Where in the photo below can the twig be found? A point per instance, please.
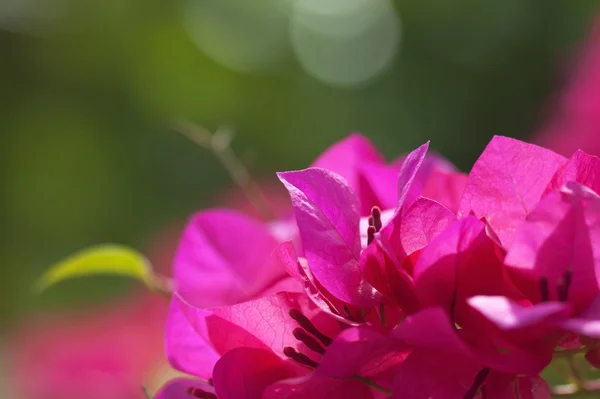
(219, 144)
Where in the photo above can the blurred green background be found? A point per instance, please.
(89, 90)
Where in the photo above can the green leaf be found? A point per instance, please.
(100, 260)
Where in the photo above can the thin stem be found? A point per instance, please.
(573, 351)
(372, 384)
(160, 285)
(219, 144)
(575, 373)
(382, 314)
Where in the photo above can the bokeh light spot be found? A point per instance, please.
(344, 42)
(246, 37)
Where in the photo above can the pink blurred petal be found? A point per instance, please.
(244, 373)
(105, 355)
(508, 314)
(575, 118)
(345, 156)
(326, 211)
(588, 322)
(560, 236)
(445, 187)
(217, 265)
(178, 388)
(348, 158)
(506, 182)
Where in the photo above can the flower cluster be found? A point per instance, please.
(404, 280)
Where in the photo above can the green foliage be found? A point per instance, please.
(100, 260)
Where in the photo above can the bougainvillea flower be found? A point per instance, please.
(379, 300)
(506, 183)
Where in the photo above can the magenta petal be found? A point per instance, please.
(217, 265)
(360, 351)
(421, 223)
(187, 349)
(581, 168)
(388, 277)
(445, 187)
(346, 156)
(508, 314)
(326, 211)
(434, 376)
(315, 387)
(430, 330)
(349, 158)
(459, 263)
(264, 323)
(506, 182)
(382, 180)
(560, 237)
(408, 173)
(178, 388)
(588, 322)
(244, 373)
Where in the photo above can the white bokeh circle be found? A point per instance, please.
(344, 42)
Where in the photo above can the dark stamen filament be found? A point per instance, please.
(309, 327)
(477, 383)
(376, 215)
(200, 394)
(348, 312)
(307, 340)
(299, 357)
(544, 289)
(371, 234)
(563, 286)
